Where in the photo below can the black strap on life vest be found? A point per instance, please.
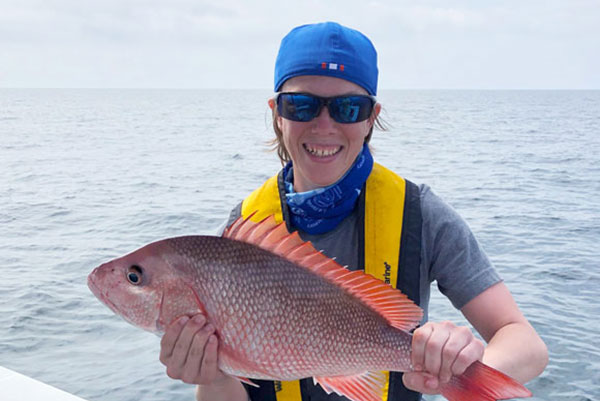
(409, 274)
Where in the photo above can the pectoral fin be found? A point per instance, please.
(246, 380)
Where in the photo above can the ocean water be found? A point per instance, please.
(88, 175)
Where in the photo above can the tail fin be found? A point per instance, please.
(482, 383)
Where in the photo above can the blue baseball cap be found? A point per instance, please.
(328, 49)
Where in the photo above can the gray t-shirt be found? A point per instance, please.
(450, 254)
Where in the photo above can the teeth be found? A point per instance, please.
(322, 152)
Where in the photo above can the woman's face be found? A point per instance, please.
(322, 149)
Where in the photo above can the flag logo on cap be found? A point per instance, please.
(332, 66)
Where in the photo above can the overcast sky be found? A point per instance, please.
(535, 44)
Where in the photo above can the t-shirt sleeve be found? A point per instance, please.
(233, 215)
(451, 252)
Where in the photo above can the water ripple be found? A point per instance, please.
(93, 174)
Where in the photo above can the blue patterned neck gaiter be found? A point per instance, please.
(322, 209)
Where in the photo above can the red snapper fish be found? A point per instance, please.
(281, 311)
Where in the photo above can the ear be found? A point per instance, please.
(374, 114)
(376, 110)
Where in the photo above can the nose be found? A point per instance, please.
(323, 122)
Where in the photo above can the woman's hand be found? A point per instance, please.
(440, 351)
(189, 351)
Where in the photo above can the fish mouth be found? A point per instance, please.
(102, 296)
(91, 285)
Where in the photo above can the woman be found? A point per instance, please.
(333, 193)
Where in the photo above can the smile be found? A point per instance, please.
(322, 151)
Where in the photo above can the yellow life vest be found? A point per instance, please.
(384, 205)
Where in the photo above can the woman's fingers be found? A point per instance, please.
(440, 351)
(176, 345)
(458, 339)
(184, 342)
(210, 370)
(419, 342)
(433, 349)
(469, 354)
(193, 369)
(427, 344)
(168, 340)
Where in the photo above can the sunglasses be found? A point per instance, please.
(304, 107)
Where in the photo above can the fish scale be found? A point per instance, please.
(255, 306)
(281, 311)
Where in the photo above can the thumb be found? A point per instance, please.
(421, 382)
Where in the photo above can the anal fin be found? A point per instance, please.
(367, 386)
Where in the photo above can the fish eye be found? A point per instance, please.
(134, 275)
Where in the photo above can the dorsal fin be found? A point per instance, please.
(393, 305)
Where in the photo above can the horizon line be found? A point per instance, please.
(268, 89)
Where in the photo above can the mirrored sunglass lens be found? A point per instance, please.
(298, 107)
(351, 109)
